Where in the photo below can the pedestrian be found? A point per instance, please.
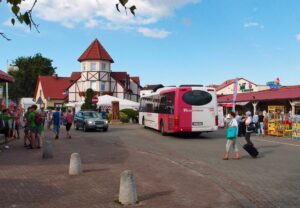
(35, 122)
(255, 120)
(232, 137)
(16, 114)
(265, 123)
(261, 124)
(6, 118)
(56, 119)
(69, 120)
(26, 120)
(43, 114)
(250, 127)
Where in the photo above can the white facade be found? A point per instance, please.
(243, 86)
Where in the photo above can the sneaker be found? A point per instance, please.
(6, 147)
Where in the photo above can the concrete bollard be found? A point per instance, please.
(127, 194)
(47, 150)
(75, 164)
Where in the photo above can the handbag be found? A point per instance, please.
(231, 133)
(251, 127)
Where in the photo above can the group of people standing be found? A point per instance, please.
(10, 123)
(34, 121)
(243, 126)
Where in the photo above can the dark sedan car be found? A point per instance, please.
(88, 120)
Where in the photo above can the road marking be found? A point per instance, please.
(295, 145)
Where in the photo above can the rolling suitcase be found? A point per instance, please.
(251, 150)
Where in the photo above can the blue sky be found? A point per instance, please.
(187, 41)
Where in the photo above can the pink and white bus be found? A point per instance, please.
(187, 108)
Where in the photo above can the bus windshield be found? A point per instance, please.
(197, 98)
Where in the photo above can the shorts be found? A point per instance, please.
(34, 130)
(68, 126)
(56, 128)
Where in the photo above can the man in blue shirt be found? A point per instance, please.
(56, 122)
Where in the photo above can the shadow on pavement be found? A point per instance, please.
(149, 196)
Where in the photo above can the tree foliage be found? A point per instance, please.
(88, 105)
(25, 17)
(26, 77)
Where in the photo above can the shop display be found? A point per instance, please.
(276, 121)
(296, 127)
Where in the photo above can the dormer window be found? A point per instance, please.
(93, 66)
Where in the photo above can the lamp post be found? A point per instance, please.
(9, 68)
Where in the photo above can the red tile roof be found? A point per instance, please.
(95, 52)
(229, 82)
(136, 80)
(283, 93)
(53, 87)
(121, 78)
(4, 77)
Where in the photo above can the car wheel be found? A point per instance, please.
(105, 129)
(84, 128)
(162, 129)
(76, 126)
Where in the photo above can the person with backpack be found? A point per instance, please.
(69, 117)
(35, 122)
(250, 128)
(232, 137)
(56, 119)
(6, 118)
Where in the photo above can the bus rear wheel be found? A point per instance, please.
(162, 129)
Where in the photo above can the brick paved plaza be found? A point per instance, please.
(170, 171)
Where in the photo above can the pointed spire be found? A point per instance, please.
(95, 52)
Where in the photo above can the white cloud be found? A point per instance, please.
(253, 24)
(153, 33)
(93, 13)
(298, 37)
(17, 25)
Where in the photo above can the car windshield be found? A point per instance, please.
(90, 115)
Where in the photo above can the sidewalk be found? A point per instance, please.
(27, 180)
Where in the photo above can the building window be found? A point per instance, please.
(102, 86)
(83, 66)
(103, 66)
(93, 66)
(94, 85)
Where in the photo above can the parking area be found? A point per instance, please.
(171, 171)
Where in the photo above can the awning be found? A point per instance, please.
(5, 77)
(230, 105)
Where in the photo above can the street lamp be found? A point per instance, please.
(9, 68)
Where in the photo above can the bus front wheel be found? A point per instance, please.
(162, 129)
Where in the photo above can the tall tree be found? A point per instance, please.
(26, 77)
(88, 104)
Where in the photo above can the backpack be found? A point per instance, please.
(38, 118)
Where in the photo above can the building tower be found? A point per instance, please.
(95, 69)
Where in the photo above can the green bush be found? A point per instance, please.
(132, 114)
(124, 118)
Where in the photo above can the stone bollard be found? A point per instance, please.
(47, 150)
(127, 194)
(75, 164)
